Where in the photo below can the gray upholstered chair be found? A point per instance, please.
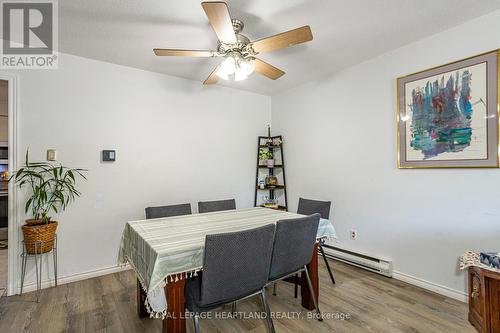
(215, 206)
(167, 211)
(308, 207)
(236, 266)
(293, 249)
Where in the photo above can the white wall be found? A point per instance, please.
(340, 145)
(176, 141)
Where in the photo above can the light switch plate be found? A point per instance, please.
(51, 155)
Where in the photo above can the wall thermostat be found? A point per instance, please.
(108, 155)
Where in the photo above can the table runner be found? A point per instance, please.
(166, 249)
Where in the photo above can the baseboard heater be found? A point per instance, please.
(373, 264)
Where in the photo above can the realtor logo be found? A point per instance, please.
(29, 34)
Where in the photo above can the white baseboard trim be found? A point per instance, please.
(75, 277)
(437, 288)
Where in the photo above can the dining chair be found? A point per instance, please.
(308, 207)
(167, 211)
(235, 266)
(293, 248)
(215, 206)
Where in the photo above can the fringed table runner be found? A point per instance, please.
(471, 258)
(168, 249)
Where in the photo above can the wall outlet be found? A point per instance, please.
(354, 234)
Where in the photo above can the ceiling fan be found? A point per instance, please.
(239, 52)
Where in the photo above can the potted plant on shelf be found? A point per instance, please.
(52, 188)
(266, 155)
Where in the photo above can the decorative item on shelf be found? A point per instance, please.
(270, 203)
(268, 156)
(277, 141)
(271, 181)
(448, 115)
(52, 188)
(262, 184)
(491, 259)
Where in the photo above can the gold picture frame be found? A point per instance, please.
(448, 138)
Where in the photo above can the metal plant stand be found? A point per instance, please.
(38, 245)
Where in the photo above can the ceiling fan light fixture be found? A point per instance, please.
(237, 49)
(222, 75)
(247, 67)
(227, 68)
(240, 75)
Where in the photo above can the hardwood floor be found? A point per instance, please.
(374, 303)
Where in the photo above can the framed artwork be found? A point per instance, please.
(448, 115)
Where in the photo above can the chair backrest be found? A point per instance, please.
(236, 264)
(215, 206)
(308, 207)
(167, 211)
(293, 247)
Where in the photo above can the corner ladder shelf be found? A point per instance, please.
(267, 142)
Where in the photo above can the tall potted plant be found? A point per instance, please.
(52, 188)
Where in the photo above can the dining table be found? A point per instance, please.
(165, 252)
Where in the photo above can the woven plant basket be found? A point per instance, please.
(35, 231)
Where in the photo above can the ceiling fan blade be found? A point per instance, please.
(213, 77)
(184, 53)
(267, 70)
(283, 40)
(219, 18)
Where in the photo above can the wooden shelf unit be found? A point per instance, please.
(279, 207)
(277, 151)
(273, 167)
(275, 187)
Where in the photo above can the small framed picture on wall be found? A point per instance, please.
(448, 116)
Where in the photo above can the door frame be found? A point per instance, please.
(14, 249)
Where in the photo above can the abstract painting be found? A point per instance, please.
(448, 116)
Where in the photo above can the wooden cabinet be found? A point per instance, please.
(484, 300)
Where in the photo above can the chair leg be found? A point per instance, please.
(274, 289)
(233, 309)
(269, 319)
(196, 320)
(313, 295)
(326, 263)
(296, 287)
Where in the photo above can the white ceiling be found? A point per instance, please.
(345, 32)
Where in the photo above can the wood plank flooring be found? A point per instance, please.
(374, 303)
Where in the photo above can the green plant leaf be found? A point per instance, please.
(27, 206)
(52, 186)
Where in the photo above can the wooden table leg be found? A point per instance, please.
(312, 268)
(141, 298)
(175, 321)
